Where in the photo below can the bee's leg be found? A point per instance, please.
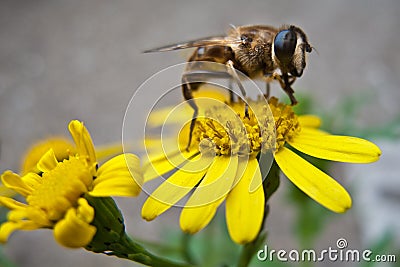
(231, 94)
(285, 84)
(187, 94)
(235, 76)
(277, 77)
(268, 77)
(291, 79)
(267, 90)
(193, 78)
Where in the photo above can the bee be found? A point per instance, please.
(258, 51)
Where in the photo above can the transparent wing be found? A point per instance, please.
(203, 42)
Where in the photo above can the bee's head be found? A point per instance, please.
(289, 48)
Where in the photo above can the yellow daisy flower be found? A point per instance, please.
(55, 198)
(223, 163)
(62, 148)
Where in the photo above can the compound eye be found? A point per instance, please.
(285, 45)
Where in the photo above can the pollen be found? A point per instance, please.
(286, 122)
(61, 188)
(230, 130)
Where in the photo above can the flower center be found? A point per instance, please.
(61, 187)
(227, 130)
(286, 123)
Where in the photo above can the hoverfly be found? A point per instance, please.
(257, 51)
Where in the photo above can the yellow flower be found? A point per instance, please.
(223, 163)
(55, 198)
(62, 148)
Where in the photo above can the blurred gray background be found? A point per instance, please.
(63, 60)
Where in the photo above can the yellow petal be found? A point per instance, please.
(337, 148)
(74, 231)
(312, 131)
(120, 176)
(48, 161)
(154, 144)
(82, 140)
(198, 163)
(84, 211)
(157, 169)
(157, 157)
(162, 164)
(193, 219)
(121, 186)
(245, 209)
(265, 161)
(11, 204)
(220, 95)
(37, 215)
(217, 182)
(33, 180)
(309, 121)
(171, 191)
(7, 228)
(107, 151)
(202, 205)
(312, 181)
(61, 146)
(13, 181)
(6, 192)
(172, 138)
(159, 116)
(184, 112)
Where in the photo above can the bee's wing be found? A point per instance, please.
(210, 41)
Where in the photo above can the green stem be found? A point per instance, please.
(270, 185)
(250, 249)
(187, 255)
(130, 251)
(112, 240)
